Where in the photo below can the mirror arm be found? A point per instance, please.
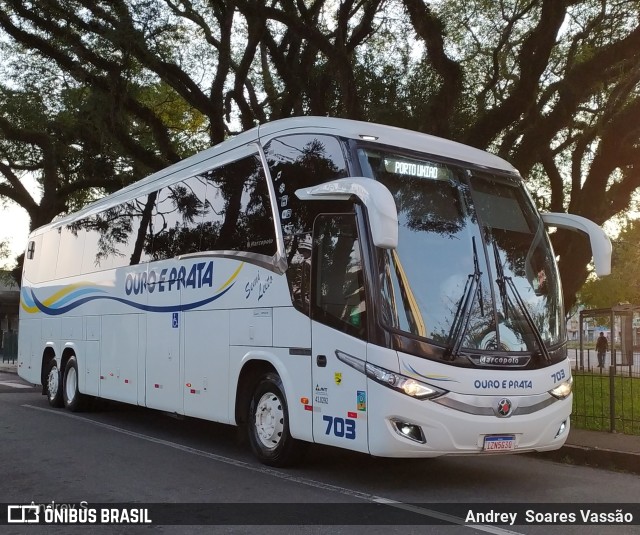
(380, 205)
(600, 242)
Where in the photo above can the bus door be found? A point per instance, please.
(338, 334)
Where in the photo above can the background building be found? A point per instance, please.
(9, 302)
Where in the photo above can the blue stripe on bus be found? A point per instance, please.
(55, 311)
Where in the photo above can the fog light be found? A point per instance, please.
(410, 431)
(561, 429)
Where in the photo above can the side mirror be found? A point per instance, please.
(383, 215)
(600, 242)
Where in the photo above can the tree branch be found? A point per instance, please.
(441, 107)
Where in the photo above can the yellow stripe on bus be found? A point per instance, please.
(231, 279)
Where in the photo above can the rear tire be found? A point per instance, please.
(54, 385)
(73, 399)
(268, 425)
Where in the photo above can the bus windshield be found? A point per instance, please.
(474, 269)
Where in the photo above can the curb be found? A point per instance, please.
(7, 368)
(595, 457)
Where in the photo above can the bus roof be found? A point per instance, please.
(359, 130)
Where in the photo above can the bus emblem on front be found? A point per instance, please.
(504, 407)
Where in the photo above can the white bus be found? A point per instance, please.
(315, 280)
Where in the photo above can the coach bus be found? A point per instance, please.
(314, 280)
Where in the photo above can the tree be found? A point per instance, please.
(551, 85)
(84, 129)
(623, 285)
(556, 93)
(5, 275)
(4, 250)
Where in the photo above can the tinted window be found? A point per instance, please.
(339, 292)
(227, 208)
(427, 280)
(524, 262)
(296, 162)
(70, 252)
(299, 270)
(118, 236)
(237, 211)
(48, 256)
(32, 259)
(177, 219)
(302, 161)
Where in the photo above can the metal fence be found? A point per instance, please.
(606, 398)
(9, 350)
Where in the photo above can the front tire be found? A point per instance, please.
(54, 385)
(73, 399)
(268, 425)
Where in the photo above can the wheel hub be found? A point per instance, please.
(52, 381)
(71, 383)
(269, 420)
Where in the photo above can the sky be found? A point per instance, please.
(14, 224)
(14, 228)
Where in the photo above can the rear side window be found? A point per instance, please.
(224, 209)
(237, 212)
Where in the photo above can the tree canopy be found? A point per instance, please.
(623, 285)
(4, 250)
(97, 94)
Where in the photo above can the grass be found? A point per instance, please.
(575, 344)
(592, 402)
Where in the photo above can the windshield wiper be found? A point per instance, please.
(505, 282)
(463, 311)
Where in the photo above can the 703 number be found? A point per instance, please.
(340, 427)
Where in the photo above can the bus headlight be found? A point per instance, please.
(563, 390)
(397, 381)
(401, 383)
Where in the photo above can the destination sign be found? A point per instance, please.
(419, 169)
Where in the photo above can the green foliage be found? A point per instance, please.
(6, 263)
(95, 95)
(623, 285)
(187, 125)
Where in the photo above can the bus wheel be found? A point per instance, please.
(268, 424)
(54, 385)
(73, 399)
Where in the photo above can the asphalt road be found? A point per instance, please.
(123, 454)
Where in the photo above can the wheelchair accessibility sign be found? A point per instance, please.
(175, 322)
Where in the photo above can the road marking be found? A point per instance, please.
(287, 477)
(14, 385)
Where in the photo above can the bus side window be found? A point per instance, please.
(338, 297)
(297, 161)
(237, 209)
(70, 250)
(176, 225)
(33, 259)
(46, 266)
(114, 237)
(299, 272)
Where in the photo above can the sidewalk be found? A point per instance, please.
(8, 366)
(612, 451)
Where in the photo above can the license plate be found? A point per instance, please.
(499, 443)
